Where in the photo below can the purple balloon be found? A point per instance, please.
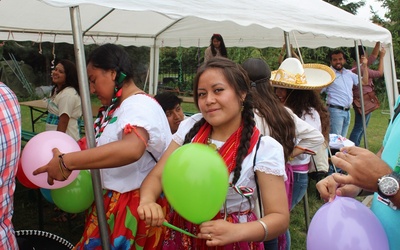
(346, 223)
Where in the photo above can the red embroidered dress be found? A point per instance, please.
(121, 184)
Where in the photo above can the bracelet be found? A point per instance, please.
(265, 229)
(62, 171)
(62, 163)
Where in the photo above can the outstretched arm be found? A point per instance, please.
(151, 189)
(381, 57)
(364, 70)
(364, 168)
(106, 156)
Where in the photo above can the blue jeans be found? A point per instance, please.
(300, 184)
(358, 129)
(271, 244)
(340, 121)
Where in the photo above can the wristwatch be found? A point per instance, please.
(388, 185)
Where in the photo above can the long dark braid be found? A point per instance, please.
(279, 121)
(193, 131)
(247, 132)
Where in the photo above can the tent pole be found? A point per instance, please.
(152, 70)
(88, 118)
(360, 87)
(287, 43)
(156, 67)
(391, 82)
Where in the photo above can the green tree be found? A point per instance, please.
(351, 7)
(391, 22)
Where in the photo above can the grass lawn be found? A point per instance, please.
(27, 201)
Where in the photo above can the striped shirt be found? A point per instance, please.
(10, 148)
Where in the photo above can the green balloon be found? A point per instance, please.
(195, 182)
(77, 196)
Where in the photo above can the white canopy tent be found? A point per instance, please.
(156, 23)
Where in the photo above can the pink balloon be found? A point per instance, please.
(38, 152)
(343, 224)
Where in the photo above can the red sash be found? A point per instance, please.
(228, 151)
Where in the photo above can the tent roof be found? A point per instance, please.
(242, 23)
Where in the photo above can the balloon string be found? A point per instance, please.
(178, 229)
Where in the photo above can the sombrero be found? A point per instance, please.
(293, 75)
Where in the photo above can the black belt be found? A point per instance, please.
(338, 107)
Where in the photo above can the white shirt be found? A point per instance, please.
(141, 111)
(315, 121)
(66, 102)
(307, 136)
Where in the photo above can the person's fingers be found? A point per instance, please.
(351, 150)
(50, 180)
(340, 161)
(151, 214)
(325, 189)
(342, 179)
(348, 191)
(40, 170)
(160, 216)
(332, 186)
(56, 152)
(342, 191)
(141, 212)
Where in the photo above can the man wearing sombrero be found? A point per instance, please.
(339, 93)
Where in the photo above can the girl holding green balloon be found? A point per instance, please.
(226, 124)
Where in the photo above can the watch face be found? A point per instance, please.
(389, 186)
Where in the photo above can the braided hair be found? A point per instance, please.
(279, 121)
(238, 79)
(111, 57)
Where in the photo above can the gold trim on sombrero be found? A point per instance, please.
(292, 74)
(282, 75)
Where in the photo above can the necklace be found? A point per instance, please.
(211, 144)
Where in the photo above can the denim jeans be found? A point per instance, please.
(358, 129)
(271, 244)
(340, 121)
(300, 185)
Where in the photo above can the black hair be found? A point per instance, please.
(222, 48)
(112, 57)
(71, 76)
(336, 52)
(168, 100)
(361, 52)
(301, 101)
(279, 121)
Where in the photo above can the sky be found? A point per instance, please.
(364, 12)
